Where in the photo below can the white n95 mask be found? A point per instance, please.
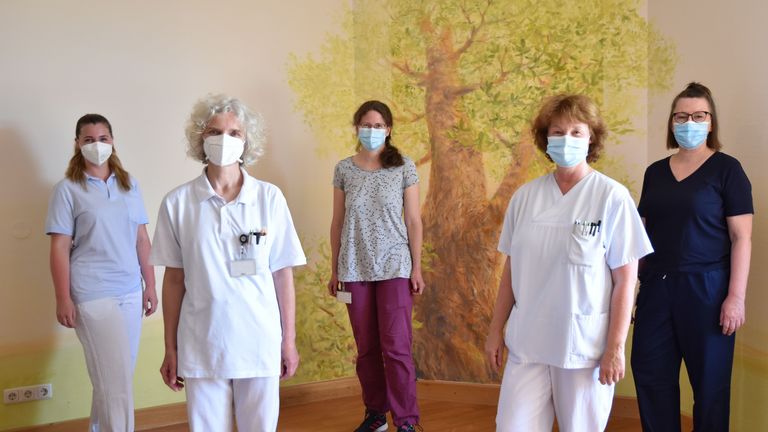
(223, 150)
(96, 152)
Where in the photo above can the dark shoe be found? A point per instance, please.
(410, 428)
(373, 422)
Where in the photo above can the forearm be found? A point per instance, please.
(741, 251)
(286, 301)
(335, 247)
(59, 261)
(415, 241)
(143, 248)
(622, 299)
(173, 295)
(505, 300)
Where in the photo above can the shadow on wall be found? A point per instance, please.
(31, 349)
(28, 324)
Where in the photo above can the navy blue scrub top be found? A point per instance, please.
(686, 220)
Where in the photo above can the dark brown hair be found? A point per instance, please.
(76, 168)
(390, 156)
(695, 90)
(575, 108)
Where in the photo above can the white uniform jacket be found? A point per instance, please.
(562, 249)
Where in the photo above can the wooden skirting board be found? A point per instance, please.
(470, 393)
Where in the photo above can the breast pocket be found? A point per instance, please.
(585, 249)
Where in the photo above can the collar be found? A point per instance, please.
(248, 191)
(110, 179)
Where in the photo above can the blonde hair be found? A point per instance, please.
(571, 107)
(205, 109)
(76, 168)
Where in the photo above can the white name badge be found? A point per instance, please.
(344, 297)
(239, 268)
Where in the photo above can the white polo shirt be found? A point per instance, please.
(562, 249)
(229, 326)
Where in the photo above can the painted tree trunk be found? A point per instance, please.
(461, 225)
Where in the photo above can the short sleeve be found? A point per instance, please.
(338, 177)
(626, 239)
(61, 213)
(737, 191)
(507, 229)
(410, 176)
(286, 248)
(166, 248)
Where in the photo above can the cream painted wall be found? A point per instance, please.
(721, 44)
(142, 64)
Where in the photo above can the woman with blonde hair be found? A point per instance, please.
(572, 240)
(99, 257)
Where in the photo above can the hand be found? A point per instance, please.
(494, 349)
(66, 313)
(333, 284)
(612, 366)
(417, 282)
(168, 372)
(149, 301)
(732, 314)
(290, 360)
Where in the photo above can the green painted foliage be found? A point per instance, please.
(511, 55)
(323, 335)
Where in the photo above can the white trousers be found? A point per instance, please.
(109, 330)
(532, 394)
(253, 403)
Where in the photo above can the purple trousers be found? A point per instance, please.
(380, 314)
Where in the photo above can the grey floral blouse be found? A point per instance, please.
(374, 239)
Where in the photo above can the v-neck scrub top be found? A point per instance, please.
(686, 220)
(562, 249)
(103, 221)
(229, 327)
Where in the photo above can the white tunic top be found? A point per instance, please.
(562, 249)
(229, 326)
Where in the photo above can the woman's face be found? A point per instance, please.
(690, 106)
(224, 123)
(372, 119)
(562, 126)
(91, 133)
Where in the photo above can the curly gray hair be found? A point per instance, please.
(203, 112)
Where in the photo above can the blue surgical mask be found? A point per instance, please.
(567, 151)
(371, 138)
(690, 135)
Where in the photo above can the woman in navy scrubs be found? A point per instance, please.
(697, 209)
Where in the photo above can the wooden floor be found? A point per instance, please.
(344, 414)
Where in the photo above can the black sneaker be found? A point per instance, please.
(410, 428)
(373, 422)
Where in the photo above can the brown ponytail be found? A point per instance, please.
(390, 156)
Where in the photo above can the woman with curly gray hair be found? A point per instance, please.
(228, 244)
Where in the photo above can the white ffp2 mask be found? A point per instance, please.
(96, 152)
(223, 150)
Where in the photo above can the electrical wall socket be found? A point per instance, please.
(29, 393)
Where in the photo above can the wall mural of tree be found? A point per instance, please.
(464, 79)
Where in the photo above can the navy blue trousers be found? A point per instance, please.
(677, 319)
